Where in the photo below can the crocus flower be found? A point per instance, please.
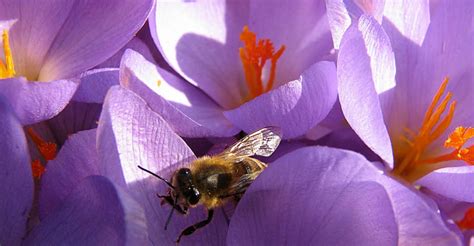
(95, 212)
(47, 46)
(329, 196)
(55, 41)
(405, 88)
(257, 64)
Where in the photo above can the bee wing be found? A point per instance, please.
(238, 188)
(262, 143)
(244, 182)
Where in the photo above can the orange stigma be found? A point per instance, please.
(254, 55)
(7, 69)
(412, 165)
(47, 149)
(467, 223)
(37, 169)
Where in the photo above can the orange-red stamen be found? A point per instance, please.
(468, 221)
(37, 168)
(433, 126)
(254, 55)
(456, 140)
(47, 149)
(459, 137)
(428, 131)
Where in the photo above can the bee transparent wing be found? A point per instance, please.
(244, 182)
(239, 188)
(262, 143)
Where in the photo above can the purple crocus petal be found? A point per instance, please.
(453, 209)
(341, 13)
(60, 39)
(366, 68)
(295, 107)
(410, 18)
(131, 134)
(95, 213)
(145, 35)
(202, 44)
(16, 180)
(76, 117)
(187, 109)
(95, 84)
(448, 41)
(346, 138)
(83, 111)
(76, 160)
(127, 126)
(284, 148)
(317, 132)
(134, 44)
(453, 182)
(346, 201)
(302, 26)
(339, 20)
(37, 101)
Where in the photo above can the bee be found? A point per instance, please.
(212, 181)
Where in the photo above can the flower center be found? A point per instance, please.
(47, 150)
(7, 69)
(411, 164)
(254, 55)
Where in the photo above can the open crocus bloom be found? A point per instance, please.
(261, 64)
(52, 42)
(418, 120)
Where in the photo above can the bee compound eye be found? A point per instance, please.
(194, 197)
(184, 172)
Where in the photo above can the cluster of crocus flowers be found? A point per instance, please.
(83, 103)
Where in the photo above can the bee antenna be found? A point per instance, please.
(164, 180)
(171, 213)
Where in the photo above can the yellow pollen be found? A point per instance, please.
(254, 55)
(7, 70)
(412, 166)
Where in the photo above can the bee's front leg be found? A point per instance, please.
(168, 199)
(191, 229)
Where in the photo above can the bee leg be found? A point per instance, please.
(189, 230)
(170, 201)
